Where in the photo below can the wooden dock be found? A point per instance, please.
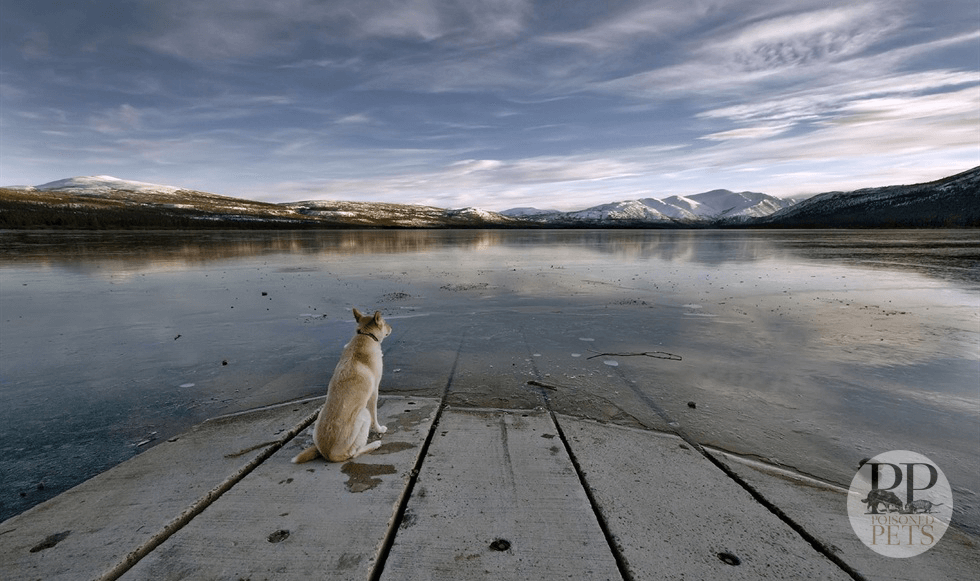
(453, 493)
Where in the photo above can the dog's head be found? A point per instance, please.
(372, 324)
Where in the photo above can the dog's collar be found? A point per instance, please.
(371, 335)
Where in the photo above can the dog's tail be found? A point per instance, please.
(306, 455)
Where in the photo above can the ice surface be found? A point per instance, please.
(824, 347)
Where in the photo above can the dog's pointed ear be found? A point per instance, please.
(357, 315)
(377, 318)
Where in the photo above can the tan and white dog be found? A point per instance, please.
(351, 410)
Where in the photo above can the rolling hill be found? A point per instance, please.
(106, 202)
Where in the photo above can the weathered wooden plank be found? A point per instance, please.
(674, 514)
(87, 530)
(822, 509)
(498, 498)
(316, 520)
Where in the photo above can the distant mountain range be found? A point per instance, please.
(103, 202)
(709, 207)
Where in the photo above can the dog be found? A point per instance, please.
(351, 410)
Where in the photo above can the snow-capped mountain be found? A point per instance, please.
(103, 185)
(398, 215)
(708, 207)
(99, 202)
(718, 204)
(526, 212)
(109, 202)
(950, 202)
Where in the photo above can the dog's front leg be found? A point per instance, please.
(373, 408)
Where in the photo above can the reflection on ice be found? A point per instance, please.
(945, 254)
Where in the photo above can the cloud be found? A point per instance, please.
(807, 37)
(797, 84)
(354, 119)
(748, 133)
(560, 169)
(215, 30)
(457, 21)
(414, 19)
(482, 182)
(865, 142)
(468, 166)
(121, 119)
(956, 109)
(874, 128)
(36, 45)
(756, 56)
(623, 30)
(348, 63)
(825, 101)
(224, 29)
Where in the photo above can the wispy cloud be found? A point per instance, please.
(221, 29)
(766, 54)
(622, 31)
(815, 101)
(354, 119)
(462, 22)
(118, 120)
(759, 132)
(806, 38)
(476, 181)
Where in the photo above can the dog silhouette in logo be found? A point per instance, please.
(921, 505)
(878, 497)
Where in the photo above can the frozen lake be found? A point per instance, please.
(807, 349)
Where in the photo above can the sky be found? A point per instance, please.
(490, 103)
